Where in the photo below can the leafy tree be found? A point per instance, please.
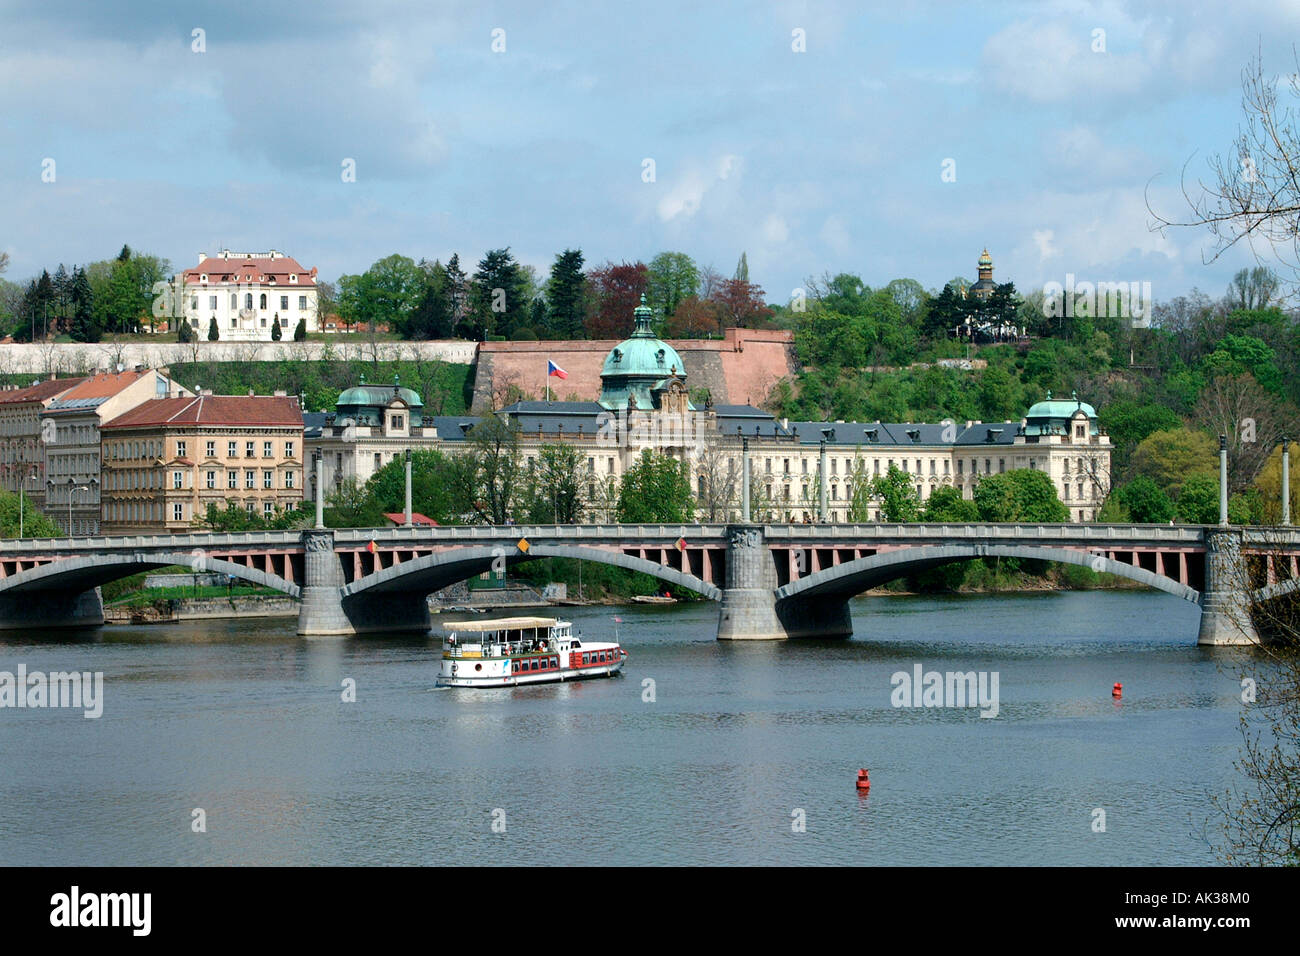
(185, 333)
(566, 297)
(1146, 501)
(349, 506)
(432, 317)
(494, 445)
(34, 523)
(656, 488)
(946, 504)
(385, 294)
(1198, 503)
(1128, 422)
(300, 331)
(673, 276)
(458, 298)
(1019, 495)
(436, 491)
(1171, 456)
(85, 328)
(1253, 288)
(553, 491)
(615, 291)
(897, 495)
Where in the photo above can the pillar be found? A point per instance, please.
(1225, 602)
(37, 610)
(821, 491)
(1223, 481)
(744, 480)
(408, 487)
(321, 612)
(320, 494)
(749, 610)
(1286, 481)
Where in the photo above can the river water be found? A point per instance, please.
(746, 753)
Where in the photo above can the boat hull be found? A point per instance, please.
(562, 675)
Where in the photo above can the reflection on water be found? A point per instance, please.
(248, 722)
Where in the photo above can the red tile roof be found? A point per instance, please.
(40, 391)
(399, 518)
(99, 385)
(274, 410)
(260, 270)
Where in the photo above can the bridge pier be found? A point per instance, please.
(750, 611)
(39, 609)
(1225, 601)
(321, 612)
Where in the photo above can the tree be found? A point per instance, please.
(1252, 289)
(1171, 456)
(1146, 501)
(432, 316)
(1253, 420)
(1128, 422)
(1255, 193)
(326, 303)
(435, 492)
(946, 504)
(554, 487)
(742, 269)
(566, 297)
(1198, 503)
(34, 524)
(300, 331)
(458, 297)
(897, 494)
(185, 333)
(740, 303)
(1019, 495)
(656, 488)
(85, 328)
(494, 445)
(213, 332)
(718, 477)
(385, 294)
(673, 276)
(499, 302)
(615, 291)
(276, 334)
(349, 506)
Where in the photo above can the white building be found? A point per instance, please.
(247, 293)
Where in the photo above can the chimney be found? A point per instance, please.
(251, 393)
(139, 369)
(202, 256)
(280, 393)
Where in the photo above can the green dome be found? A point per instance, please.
(1059, 409)
(378, 396)
(638, 365)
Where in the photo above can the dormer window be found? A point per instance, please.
(203, 278)
(293, 278)
(659, 356)
(617, 355)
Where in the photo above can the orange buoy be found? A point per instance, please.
(1117, 691)
(864, 783)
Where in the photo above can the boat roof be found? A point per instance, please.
(500, 624)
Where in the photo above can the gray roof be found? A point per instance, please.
(903, 434)
(453, 427)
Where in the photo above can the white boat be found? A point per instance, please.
(522, 650)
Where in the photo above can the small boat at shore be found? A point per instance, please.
(511, 651)
(654, 599)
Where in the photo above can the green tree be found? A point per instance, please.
(553, 491)
(1128, 422)
(85, 328)
(436, 490)
(432, 317)
(498, 296)
(672, 277)
(497, 475)
(566, 297)
(1198, 503)
(385, 294)
(897, 495)
(213, 332)
(34, 523)
(276, 334)
(1146, 501)
(1020, 495)
(300, 331)
(656, 488)
(946, 504)
(1171, 456)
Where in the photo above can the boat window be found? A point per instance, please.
(577, 643)
(555, 662)
(534, 665)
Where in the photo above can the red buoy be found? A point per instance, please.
(863, 782)
(1117, 691)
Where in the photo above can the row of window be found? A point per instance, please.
(248, 302)
(123, 450)
(153, 511)
(137, 479)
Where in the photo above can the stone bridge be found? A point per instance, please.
(772, 581)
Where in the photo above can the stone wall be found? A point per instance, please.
(741, 368)
(74, 358)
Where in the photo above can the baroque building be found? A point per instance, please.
(247, 293)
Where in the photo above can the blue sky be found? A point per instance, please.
(827, 160)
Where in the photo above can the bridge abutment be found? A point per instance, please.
(750, 611)
(1225, 602)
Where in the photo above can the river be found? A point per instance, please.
(746, 754)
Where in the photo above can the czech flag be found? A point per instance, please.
(553, 369)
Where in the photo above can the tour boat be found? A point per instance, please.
(522, 650)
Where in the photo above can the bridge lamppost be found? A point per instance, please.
(744, 479)
(1223, 481)
(73, 486)
(408, 487)
(1286, 480)
(821, 492)
(317, 457)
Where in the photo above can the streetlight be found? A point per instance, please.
(21, 486)
(320, 490)
(408, 487)
(73, 486)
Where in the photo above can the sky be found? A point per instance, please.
(814, 137)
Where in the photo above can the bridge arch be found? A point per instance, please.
(82, 573)
(854, 577)
(432, 572)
